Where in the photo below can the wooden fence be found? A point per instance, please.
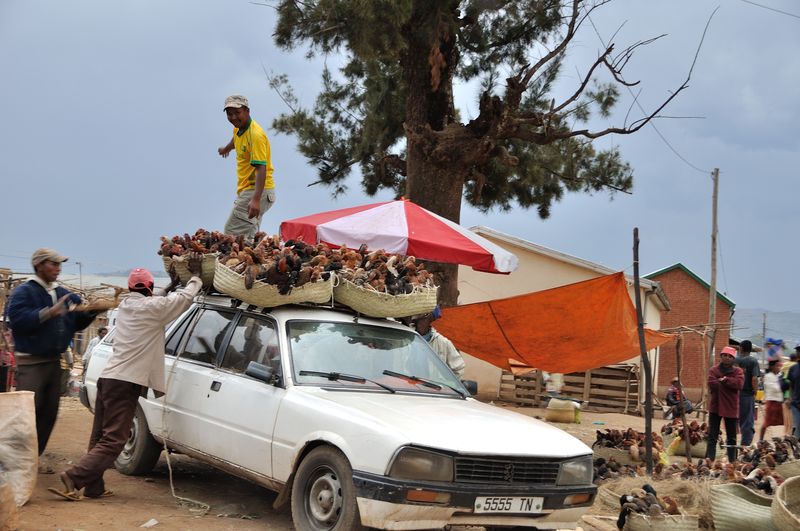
(614, 388)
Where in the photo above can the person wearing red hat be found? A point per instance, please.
(725, 380)
(136, 365)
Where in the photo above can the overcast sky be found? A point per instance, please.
(112, 116)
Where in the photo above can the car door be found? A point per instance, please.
(241, 408)
(190, 376)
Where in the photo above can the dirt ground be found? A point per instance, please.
(234, 503)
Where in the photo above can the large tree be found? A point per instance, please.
(389, 109)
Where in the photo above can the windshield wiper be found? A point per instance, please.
(335, 376)
(423, 381)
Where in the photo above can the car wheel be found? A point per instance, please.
(323, 495)
(141, 451)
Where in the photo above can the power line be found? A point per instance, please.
(771, 9)
(651, 123)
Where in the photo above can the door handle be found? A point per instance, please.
(215, 385)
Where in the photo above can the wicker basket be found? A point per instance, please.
(667, 522)
(207, 268)
(622, 457)
(375, 304)
(266, 295)
(735, 507)
(786, 506)
(789, 469)
(697, 450)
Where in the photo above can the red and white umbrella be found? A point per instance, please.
(401, 227)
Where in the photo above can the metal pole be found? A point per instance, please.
(648, 379)
(712, 292)
(80, 273)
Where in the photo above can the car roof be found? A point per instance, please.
(289, 312)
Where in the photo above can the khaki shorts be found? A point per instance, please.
(238, 222)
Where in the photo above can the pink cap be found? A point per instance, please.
(140, 278)
(730, 351)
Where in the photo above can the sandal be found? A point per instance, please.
(69, 495)
(106, 493)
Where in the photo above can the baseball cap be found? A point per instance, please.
(236, 101)
(44, 254)
(730, 351)
(140, 278)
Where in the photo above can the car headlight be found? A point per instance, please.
(421, 465)
(576, 471)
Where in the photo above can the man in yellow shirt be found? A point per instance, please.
(255, 189)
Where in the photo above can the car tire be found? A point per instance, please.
(141, 451)
(323, 494)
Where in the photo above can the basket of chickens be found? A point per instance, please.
(174, 252)
(270, 274)
(378, 284)
(673, 438)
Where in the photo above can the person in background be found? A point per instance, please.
(677, 402)
(442, 346)
(43, 325)
(67, 363)
(255, 187)
(135, 365)
(725, 380)
(787, 394)
(8, 363)
(794, 397)
(773, 398)
(747, 396)
(87, 354)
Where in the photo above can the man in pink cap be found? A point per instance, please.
(136, 364)
(725, 380)
(42, 324)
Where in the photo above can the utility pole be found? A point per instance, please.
(80, 274)
(764, 334)
(712, 298)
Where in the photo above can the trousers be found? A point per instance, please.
(44, 379)
(114, 409)
(747, 406)
(714, 421)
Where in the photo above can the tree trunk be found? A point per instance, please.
(429, 62)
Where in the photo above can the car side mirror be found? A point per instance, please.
(471, 385)
(262, 372)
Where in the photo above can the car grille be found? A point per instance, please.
(504, 470)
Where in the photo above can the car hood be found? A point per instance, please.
(462, 426)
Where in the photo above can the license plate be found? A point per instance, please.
(506, 504)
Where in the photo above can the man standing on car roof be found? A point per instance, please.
(136, 364)
(42, 326)
(255, 188)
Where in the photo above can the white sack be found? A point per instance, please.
(19, 450)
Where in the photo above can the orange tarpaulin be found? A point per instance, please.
(572, 328)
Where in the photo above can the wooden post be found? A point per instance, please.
(648, 379)
(587, 385)
(679, 358)
(627, 390)
(538, 388)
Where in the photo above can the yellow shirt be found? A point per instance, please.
(252, 149)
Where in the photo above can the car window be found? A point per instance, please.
(109, 337)
(365, 351)
(207, 335)
(175, 338)
(253, 339)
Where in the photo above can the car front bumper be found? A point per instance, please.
(383, 503)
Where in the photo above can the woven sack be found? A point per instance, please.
(207, 268)
(786, 505)
(375, 304)
(667, 522)
(19, 451)
(735, 507)
(266, 295)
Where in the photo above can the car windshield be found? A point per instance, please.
(366, 352)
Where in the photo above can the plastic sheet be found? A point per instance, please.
(19, 451)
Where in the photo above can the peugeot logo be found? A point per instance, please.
(508, 472)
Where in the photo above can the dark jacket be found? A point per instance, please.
(794, 385)
(724, 396)
(51, 337)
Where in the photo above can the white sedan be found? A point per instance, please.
(354, 421)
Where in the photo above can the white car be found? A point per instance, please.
(354, 421)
